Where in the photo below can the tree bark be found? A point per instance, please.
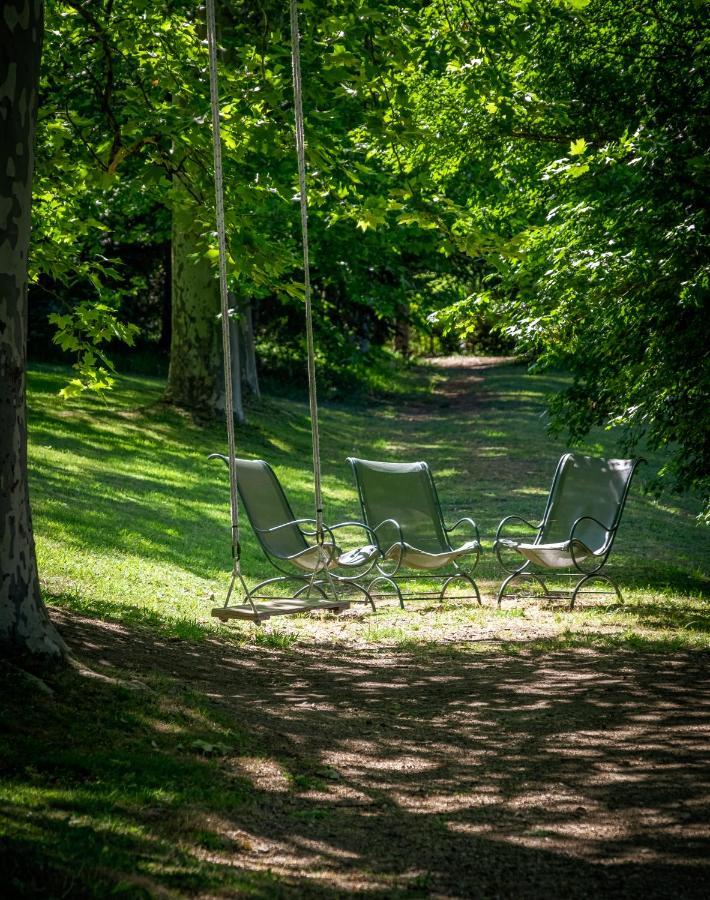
(195, 351)
(236, 353)
(251, 374)
(196, 372)
(25, 627)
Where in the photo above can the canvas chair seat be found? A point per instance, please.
(313, 558)
(360, 556)
(551, 556)
(413, 558)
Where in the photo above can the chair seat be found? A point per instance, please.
(414, 558)
(551, 556)
(358, 557)
(315, 558)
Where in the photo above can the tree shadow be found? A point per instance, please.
(212, 769)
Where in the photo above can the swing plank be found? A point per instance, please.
(278, 607)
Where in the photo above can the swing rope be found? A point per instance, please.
(310, 351)
(223, 290)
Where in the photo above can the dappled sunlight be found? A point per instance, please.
(444, 749)
(133, 476)
(446, 771)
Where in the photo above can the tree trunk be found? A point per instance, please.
(235, 351)
(25, 627)
(401, 336)
(195, 354)
(251, 374)
(166, 298)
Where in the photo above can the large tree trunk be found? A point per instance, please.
(25, 627)
(195, 350)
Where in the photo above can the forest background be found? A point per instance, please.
(521, 177)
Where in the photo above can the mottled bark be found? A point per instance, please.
(195, 349)
(25, 627)
(196, 374)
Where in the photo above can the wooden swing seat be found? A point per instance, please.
(288, 606)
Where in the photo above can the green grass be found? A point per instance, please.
(131, 519)
(118, 805)
(128, 781)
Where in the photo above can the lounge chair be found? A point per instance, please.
(319, 567)
(578, 528)
(401, 508)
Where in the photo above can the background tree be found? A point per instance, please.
(522, 174)
(570, 160)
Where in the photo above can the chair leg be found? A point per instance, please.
(465, 577)
(392, 584)
(592, 577)
(511, 578)
(366, 592)
(307, 588)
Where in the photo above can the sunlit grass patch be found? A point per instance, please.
(132, 521)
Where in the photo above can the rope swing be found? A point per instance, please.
(224, 296)
(310, 351)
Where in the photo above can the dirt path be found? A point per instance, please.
(458, 391)
(452, 774)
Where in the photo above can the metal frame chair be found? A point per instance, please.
(401, 508)
(577, 531)
(318, 566)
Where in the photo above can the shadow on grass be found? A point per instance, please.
(173, 628)
(205, 769)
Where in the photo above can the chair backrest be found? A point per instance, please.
(586, 486)
(266, 506)
(406, 493)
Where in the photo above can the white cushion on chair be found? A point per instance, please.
(419, 559)
(552, 556)
(358, 557)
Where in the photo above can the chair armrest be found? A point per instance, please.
(225, 459)
(604, 528)
(392, 522)
(469, 522)
(497, 544)
(366, 528)
(297, 522)
(607, 542)
(507, 519)
(284, 525)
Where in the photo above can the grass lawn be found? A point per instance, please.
(443, 750)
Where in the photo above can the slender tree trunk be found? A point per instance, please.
(235, 350)
(401, 336)
(195, 353)
(251, 374)
(25, 627)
